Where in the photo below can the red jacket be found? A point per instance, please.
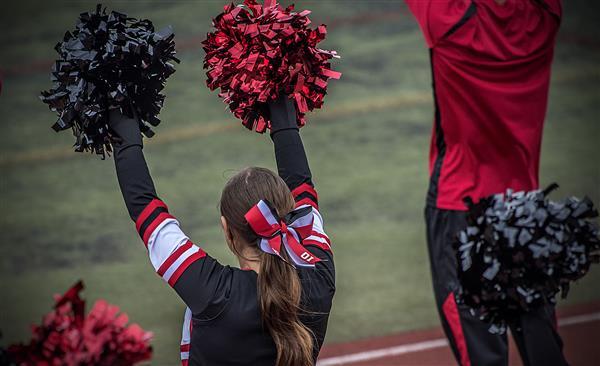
(491, 74)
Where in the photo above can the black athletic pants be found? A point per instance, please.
(537, 339)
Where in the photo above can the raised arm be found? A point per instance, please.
(183, 265)
(134, 178)
(292, 164)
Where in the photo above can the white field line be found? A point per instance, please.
(427, 345)
(578, 319)
(383, 352)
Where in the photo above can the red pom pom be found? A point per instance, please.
(68, 337)
(258, 52)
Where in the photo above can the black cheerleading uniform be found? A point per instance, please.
(223, 309)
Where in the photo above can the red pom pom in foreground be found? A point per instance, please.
(258, 52)
(67, 337)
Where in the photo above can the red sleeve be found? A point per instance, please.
(437, 17)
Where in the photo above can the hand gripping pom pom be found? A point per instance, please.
(258, 52)
(109, 61)
(68, 337)
(520, 250)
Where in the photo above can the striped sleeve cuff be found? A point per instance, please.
(185, 355)
(177, 262)
(305, 194)
(169, 249)
(318, 239)
(153, 215)
(186, 337)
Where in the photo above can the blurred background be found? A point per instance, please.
(63, 218)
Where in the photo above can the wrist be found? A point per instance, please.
(125, 129)
(282, 114)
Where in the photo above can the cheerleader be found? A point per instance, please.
(274, 309)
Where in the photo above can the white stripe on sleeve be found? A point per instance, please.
(165, 239)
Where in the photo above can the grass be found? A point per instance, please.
(64, 218)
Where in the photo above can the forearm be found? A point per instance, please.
(292, 163)
(134, 180)
(132, 172)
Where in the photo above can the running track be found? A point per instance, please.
(579, 327)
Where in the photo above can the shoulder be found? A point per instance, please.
(228, 284)
(437, 18)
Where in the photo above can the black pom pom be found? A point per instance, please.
(109, 61)
(520, 250)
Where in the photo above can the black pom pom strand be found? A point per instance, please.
(520, 250)
(109, 61)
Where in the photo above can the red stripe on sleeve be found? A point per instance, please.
(153, 205)
(173, 257)
(307, 201)
(185, 347)
(184, 362)
(304, 187)
(191, 259)
(451, 314)
(159, 219)
(323, 236)
(317, 244)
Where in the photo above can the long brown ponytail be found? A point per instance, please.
(279, 287)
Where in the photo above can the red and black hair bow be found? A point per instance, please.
(283, 234)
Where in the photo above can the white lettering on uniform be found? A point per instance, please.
(306, 256)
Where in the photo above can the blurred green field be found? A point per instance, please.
(63, 217)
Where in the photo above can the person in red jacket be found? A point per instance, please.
(490, 62)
